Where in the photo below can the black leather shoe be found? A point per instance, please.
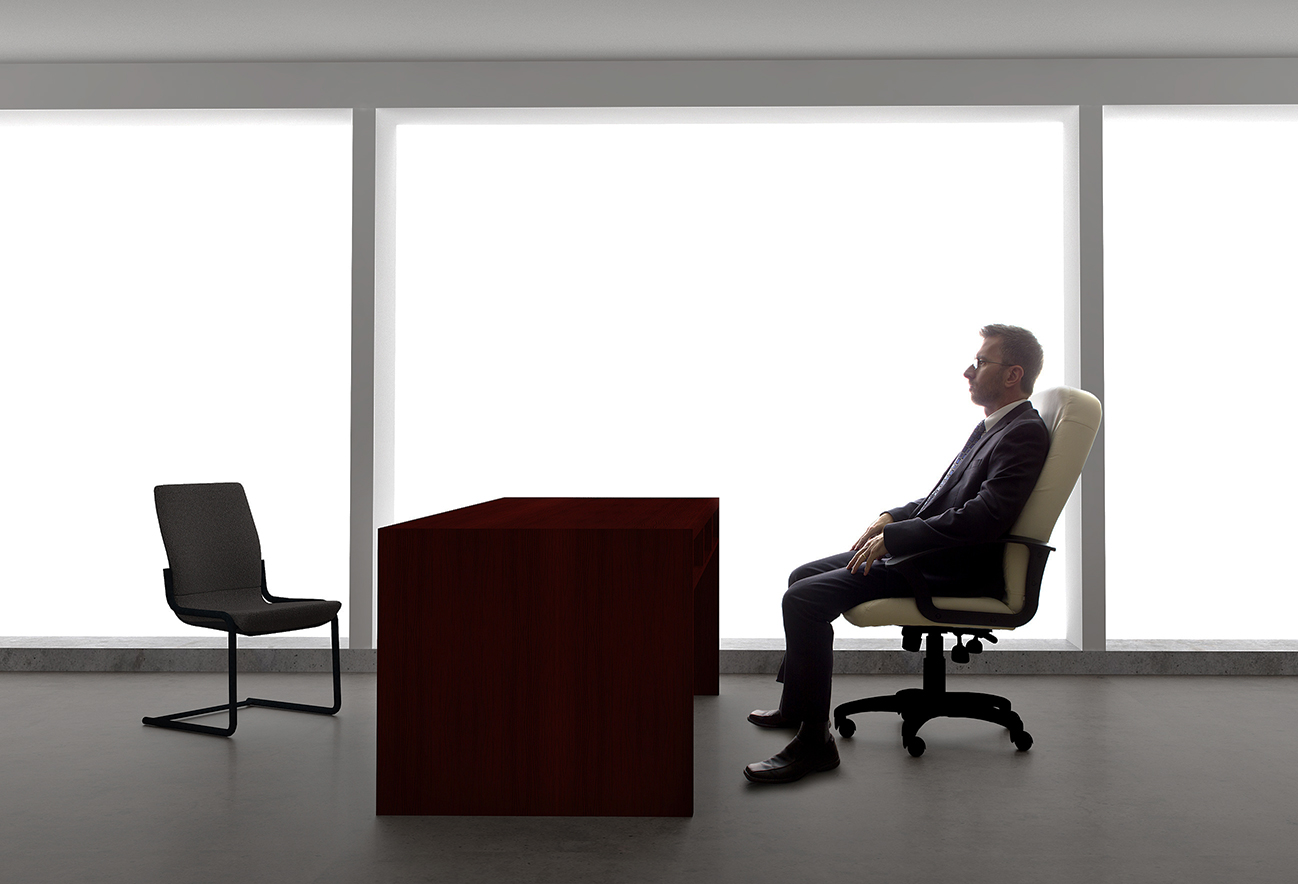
(771, 718)
(794, 762)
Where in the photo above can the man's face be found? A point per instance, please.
(986, 384)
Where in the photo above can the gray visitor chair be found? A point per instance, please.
(1073, 418)
(217, 580)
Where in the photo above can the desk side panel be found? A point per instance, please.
(707, 627)
(536, 672)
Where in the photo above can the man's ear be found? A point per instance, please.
(1014, 377)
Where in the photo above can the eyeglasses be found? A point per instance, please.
(979, 362)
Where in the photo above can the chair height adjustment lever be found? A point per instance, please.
(960, 653)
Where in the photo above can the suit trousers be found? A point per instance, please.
(819, 592)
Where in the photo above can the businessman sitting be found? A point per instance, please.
(977, 500)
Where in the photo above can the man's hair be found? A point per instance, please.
(1018, 347)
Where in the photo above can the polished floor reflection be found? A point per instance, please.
(1132, 778)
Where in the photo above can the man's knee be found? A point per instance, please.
(795, 598)
(819, 566)
(802, 572)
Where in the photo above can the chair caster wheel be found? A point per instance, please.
(1023, 742)
(915, 746)
(846, 727)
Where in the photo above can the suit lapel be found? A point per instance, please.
(964, 464)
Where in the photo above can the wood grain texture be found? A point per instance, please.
(539, 656)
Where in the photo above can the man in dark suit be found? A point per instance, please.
(978, 499)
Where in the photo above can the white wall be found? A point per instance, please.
(410, 30)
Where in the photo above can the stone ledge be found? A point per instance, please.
(199, 659)
(1004, 661)
(1014, 659)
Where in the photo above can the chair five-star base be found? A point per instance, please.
(916, 706)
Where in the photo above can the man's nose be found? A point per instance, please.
(969, 372)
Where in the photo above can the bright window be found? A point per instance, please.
(1200, 307)
(772, 312)
(176, 308)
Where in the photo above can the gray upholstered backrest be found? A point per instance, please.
(210, 537)
(1073, 418)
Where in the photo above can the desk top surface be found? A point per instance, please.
(573, 513)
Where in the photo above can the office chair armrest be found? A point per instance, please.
(909, 566)
(1009, 538)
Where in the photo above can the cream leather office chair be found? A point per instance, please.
(1073, 418)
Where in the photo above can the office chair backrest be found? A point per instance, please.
(210, 537)
(1073, 418)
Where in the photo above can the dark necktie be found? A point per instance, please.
(959, 459)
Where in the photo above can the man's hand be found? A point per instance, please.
(873, 531)
(873, 549)
(870, 547)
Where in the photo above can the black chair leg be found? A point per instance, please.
(916, 710)
(171, 721)
(918, 706)
(303, 707)
(984, 707)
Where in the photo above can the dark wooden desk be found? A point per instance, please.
(539, 656)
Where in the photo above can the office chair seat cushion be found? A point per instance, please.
(253, 615)
(904, 611)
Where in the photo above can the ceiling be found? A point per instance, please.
(426, 30)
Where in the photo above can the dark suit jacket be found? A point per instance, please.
(980, 503)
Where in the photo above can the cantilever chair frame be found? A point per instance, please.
(171, 721)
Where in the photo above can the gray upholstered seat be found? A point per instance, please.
(217, 580)
(253, 615)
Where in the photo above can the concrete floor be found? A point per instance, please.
(1132, 778)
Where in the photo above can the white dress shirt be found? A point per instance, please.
(993, 419)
